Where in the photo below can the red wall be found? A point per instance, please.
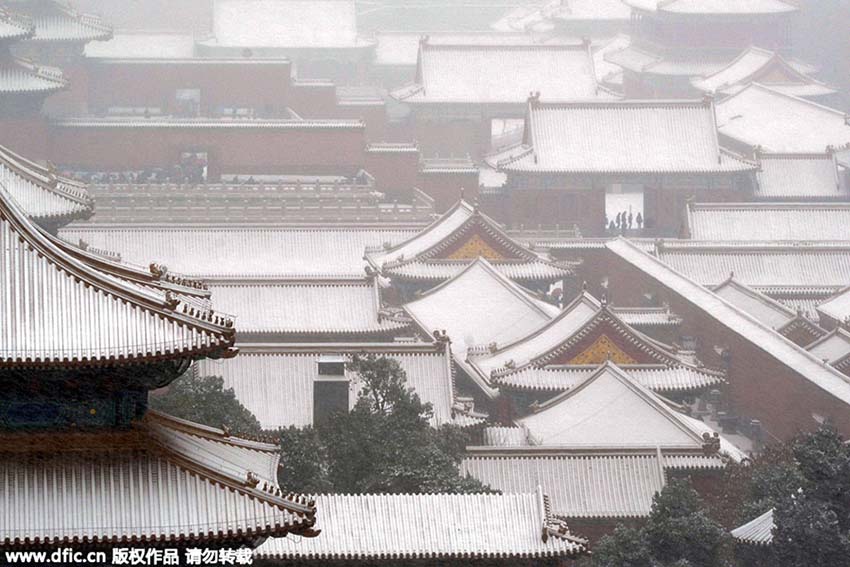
(445, 188)
(396, 173)
(760, 386)
(262, 86)
(27, 137)
(243, 150)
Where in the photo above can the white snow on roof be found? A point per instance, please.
(767, 67)
(766, 310)
(623, 136)
(761, 265)
(143, 45)
(777, 122)
(801, 176)
(832, 347)
(738, 322)
(769, 221)
(733, 7)
(286, 23)
(476, 74)
(402, 48)
(243, 251)
(434, 234)
(837, 307)
(374, 527)
(758, 531)
(464, 307)
(547, 337)
(603, 412)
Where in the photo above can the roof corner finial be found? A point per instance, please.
(534, 98)
(584, 285)
(731, 274)
(708, 98)
(604, 300)
(462, 193)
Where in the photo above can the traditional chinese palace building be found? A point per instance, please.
(574, 155)
(84, 339)
(673, 42)
(461, 103)
(446, 248)
(583, 448)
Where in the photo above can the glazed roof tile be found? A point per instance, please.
(414, 526)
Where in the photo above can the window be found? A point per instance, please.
(330, 388)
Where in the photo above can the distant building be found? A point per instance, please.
(676, 41)
(575, 155)
(600, 468)
(462, 102)
(320, 36)
(460, 236)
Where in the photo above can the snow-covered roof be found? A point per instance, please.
(94, 297)
(623, 136)
(601, 413)
(305, 308)
(550, 335)
(714, 7)
(24, 76)
(45, 197)
(134, 477)
(306, 24)
(662, 379)
(479, 306)
(607, 73)
(647, 58)
(762, 66)
(801, 176)
(144, 45)
(543, 17)
(833, 348)
(588, 484)
(234, 252)
(768, 221)
(14, 26)
(758, 531)
(372, 527)
(761, 117)
(735, 320)
(768, 311)
(475, 74)
(765, 266)
(401, 48)
(837, 307)
(463, 233)
(275, 382)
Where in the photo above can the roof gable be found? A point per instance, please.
(585, 332)
(762, 66)
(605, 411)
(464, 306)
(462, 233)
